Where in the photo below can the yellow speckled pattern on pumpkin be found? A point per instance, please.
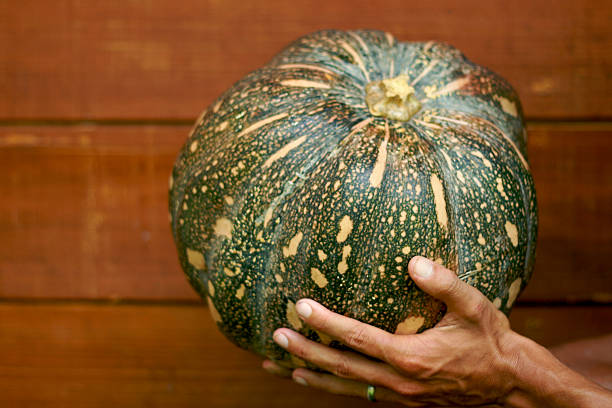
(290, 187)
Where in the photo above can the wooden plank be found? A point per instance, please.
(573, 181)
(552, 326)
(173, 356)
(84, 215)
(133, 356)
(159, 59)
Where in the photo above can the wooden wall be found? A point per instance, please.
(96, 99)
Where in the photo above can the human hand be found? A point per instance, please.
(471, 357)
(462, 360)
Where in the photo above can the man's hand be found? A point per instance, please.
(471, 357)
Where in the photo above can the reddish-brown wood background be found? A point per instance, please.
(96, 99)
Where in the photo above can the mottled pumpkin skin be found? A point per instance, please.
(288, 187)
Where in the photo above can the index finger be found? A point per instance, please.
(359, 336)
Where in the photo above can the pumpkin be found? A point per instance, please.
(322, 173)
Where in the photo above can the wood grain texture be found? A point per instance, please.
(84, 212)
(161, 59)
(573, 181)
(173, 356)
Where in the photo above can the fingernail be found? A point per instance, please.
(423, 268)
(303, 309)
(281, 340)
(300, 381)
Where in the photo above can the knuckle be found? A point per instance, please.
(357, 337)
(478, 309)
(398, 359)
(342, 367)
(405, 389)
(408, 363)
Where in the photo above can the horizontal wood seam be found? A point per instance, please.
(596, 122)
(197, 303)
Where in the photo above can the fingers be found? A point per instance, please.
(444, 285)
(353, 333)
(275, 369)
(343, 386)
(344, 364)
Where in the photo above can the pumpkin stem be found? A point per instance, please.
(392, 98)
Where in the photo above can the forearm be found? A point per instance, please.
(543, 381)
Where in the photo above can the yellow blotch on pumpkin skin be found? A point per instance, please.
(346, 226)
(282, 152)
(292, 316)
(497, 302)
(507, 105)
(356, 57)
(261, 123)
(381, 161)
(195, 258)
(481, 156)
(410, 326)
(500, 187)
(439, 200)
(240, 292)
(322, 255)
(223, 227)
(512, 232)
(318, 277)
(222, 126)
(292, 248)
(343, 265)
(213, 310)
(513, 291)
(450, 87)
(231, 273)
(268, 216)
(304, 83)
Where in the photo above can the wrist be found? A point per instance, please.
(541, 380)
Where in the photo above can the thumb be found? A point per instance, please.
(444, 285)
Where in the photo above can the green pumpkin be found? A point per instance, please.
(322, 173)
